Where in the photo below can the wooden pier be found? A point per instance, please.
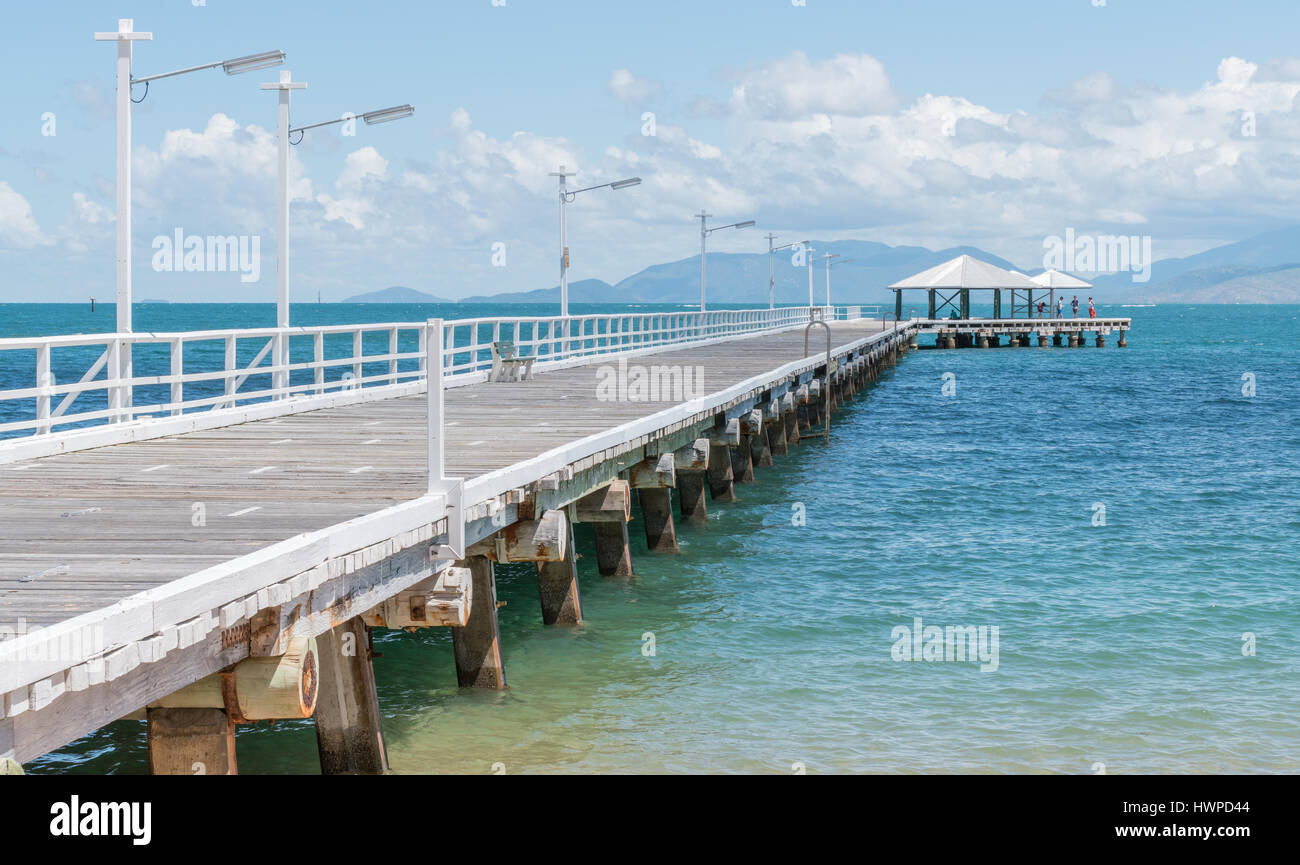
(1024, 332)
(209, 560)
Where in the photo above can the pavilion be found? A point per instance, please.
(950, 284)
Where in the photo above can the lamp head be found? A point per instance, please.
(252, 62)
(383, 115)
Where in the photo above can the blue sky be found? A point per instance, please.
(991, 123)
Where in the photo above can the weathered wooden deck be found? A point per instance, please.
(142, 567)
(80, 531)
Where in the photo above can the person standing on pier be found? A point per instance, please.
(1060, 307)
(1092, 310)
(1074, 305)
(1042, 307)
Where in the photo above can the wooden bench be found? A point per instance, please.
(507, 365)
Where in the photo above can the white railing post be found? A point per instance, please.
(177, 371)
(231, 370)
(473, 347)
(356, 357)
(318, 356)
(392, 361)
(433, 365)
(452, 489)
(280, 361)
(44, 381)
(115, 373)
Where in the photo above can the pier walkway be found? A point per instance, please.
(208, 538)
(202, 543)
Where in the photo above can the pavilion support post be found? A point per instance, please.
(898, 304)
(477, 645)
(997, 303)
(657, 515)
(349, 731)
(931, 315)
(191, 742)
(557, 588)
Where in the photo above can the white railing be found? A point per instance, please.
(117, 378)
(468, 342)
(80, 381)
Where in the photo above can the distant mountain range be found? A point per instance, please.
(743, 277)
(1260, 269)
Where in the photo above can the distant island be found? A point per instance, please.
(396, 294)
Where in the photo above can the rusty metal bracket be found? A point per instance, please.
(230, 697)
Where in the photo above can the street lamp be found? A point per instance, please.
(283, 131)
(704, 235)
(829, 263)
(124, 37)
(808, 250)
(566, 196)
(771, 267)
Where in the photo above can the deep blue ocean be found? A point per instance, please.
(1128, 519)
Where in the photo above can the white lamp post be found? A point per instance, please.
(771, 267)
(566, 196)
(808, 250)
(283, 131)
(124, 36)
(285, 86)
(119, 365)
(704, 236)
(829, 263)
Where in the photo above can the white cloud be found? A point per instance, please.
(18, 228)
(791, 87)
(90, 212)
(632, 90)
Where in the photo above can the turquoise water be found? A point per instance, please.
(1119, 644)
